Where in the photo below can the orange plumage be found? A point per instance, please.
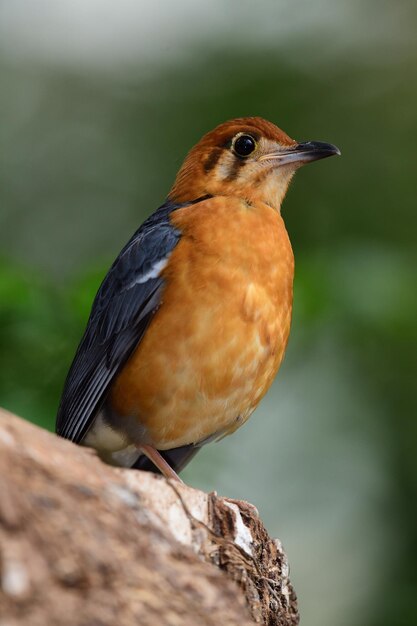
(223, 277)
(213, 349)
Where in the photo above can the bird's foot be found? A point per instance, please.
(159, 461)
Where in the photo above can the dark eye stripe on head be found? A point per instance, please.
(234, 169)
(212, 159)
(216, 153)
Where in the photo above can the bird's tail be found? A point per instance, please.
(177, 458)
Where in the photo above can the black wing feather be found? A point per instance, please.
(123, 307)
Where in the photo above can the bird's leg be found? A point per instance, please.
(159, 461)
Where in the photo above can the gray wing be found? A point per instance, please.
(126, 302)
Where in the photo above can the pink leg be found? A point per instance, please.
(158, 460)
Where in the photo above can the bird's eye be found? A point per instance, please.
(243, 145)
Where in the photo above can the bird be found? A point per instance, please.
(190, 325)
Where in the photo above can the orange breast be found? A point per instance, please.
(215, 345)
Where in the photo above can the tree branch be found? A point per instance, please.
(86, 544)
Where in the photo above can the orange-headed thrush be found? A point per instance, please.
(190, 324)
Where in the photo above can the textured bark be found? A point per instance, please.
(85, 544)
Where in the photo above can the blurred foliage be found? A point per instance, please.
(87, 155)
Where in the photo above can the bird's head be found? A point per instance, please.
(246, 157)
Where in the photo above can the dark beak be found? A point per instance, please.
(315, 150)
(302, 153)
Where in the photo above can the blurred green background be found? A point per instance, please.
(99, 102)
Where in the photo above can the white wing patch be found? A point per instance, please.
(153, 272)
